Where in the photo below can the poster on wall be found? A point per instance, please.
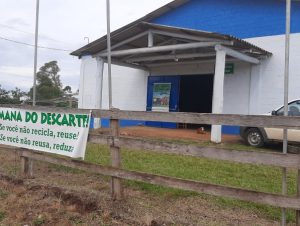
(161, 97)
(53, 132)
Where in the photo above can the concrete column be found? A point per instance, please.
(218, 93)
(90, 88)
(99, 82)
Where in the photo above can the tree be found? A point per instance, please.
(17, 94)
(67, 90)
(49, 89)
(49, 85)
(12, 96)
(4, 96)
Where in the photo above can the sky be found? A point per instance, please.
(63, 24)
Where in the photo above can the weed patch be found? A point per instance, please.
(2, 215)
(3, 194)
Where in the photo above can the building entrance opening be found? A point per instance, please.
(196, 93)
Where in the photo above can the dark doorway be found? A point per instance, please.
(196, 94)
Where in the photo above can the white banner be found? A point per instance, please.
(58, 133)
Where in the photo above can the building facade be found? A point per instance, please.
(247, 88)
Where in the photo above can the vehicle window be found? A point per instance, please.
(294, 109)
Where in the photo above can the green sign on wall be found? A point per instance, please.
(229, 68)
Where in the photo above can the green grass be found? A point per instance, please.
(38, 221)
(254, 177)
(2, 215)
(64, 169)
(3, 194)
(76, 220)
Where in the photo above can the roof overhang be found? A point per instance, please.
(145, 45)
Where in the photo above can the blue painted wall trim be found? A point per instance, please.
(92, 123)
(240, 18)
(123, 123)
(231, 130)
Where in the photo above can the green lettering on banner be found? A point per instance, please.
(1, 115)
(59, 133)
(49, 118)
(2, 127)
(65, 121)
(79, 117)
(43, 118)
(85, 120)
(27, 117)
(11, 116)
(19, 117)
(54, 121)
(57, 119)
(2, 137)
(34, 117)
(31, 116)
(72, 120)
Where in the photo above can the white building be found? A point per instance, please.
(169, 46)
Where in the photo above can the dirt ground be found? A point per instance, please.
(60, 196)
(187, 134)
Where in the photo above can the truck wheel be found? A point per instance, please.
(254, 138)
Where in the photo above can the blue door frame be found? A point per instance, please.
(174, 102)
(174, 97)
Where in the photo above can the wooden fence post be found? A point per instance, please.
(116, 186)
(298, 195)
(26, 167)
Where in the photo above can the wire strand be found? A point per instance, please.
(30, 33)
(27, 44)
(15, 29)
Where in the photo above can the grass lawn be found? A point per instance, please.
(254, 177)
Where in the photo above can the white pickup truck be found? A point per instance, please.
(257, 137)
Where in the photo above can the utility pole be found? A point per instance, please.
(27, 163)
(35, 52)
(286, 99)
(109, 54)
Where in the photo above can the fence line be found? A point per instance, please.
(189, 185)
(203, 118)
(289, 122)
(116, 142)
(249, 157)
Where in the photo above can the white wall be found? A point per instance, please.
(237, 89)
(258, 89)
(268, 78)
(129, 88)
(90, 81)
(264, 82)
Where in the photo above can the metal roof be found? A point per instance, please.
(101, 44)
(137, 34)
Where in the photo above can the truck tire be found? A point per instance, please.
(254, 137)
